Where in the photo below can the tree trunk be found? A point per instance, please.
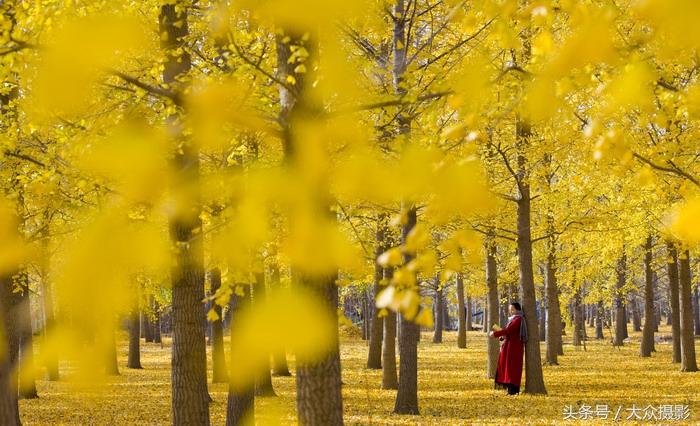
(367, 313)
(534, 381)
(485, 317)
(503, 309)
(599, 321)
(469, 312)
(134, 359)
(10, 327)
(27, 381)
(446, 324)
(656, 305)
(47, 299)
(620, 321)
(541, 316)
(9, 408)
(263, 382)
(696, 310)
(156, 323)
(147, 325)
(407, 395)
(578, 320)
(688, 362)
(463, 318)
(279, 357)
(439, 308)
(647, 345)
(374, 355)
(319, 397)
(218, 359)
(240, 407)
(111, 365)
(636, 317)
(389, 378)
(493, 347)
(409, 335)
(190, 399)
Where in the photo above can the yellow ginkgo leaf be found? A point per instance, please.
(391, 257)
(425, 318)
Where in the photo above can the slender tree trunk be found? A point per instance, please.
(620, 321)
(439, 308)
(10, 327)
(47, 299)
(190, 399)
(696, 310)
(636, 316)
(134, 359)
(541, 317)
(599, 321)
(463, 324)
(688, 362)
(111, 365)
(374, 356)
(503, 309)
(27, 381)
(365, 320)
(407, 395)
(263, 382)
(319, 397)
(493, 347)
(240, 407)
(578, 320)
(446, 324)
(389, 377)
(469, 312)
(147, 325)
(9, 408)
(157, 338)
(218, 359)
(485, 316)
(656, 305)
(279, 357)
(534, 380)
(560, 332)
(647, 345)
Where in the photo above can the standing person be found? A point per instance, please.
(510, 359)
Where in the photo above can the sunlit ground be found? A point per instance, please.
(453, 388)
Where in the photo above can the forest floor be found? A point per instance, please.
(453, 388)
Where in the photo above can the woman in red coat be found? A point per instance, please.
(510, 359)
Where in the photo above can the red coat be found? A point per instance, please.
(510, 359)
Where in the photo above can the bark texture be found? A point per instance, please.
(190, 399)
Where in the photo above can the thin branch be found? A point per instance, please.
(510, 168)
(395, 102)
(354, 228)
(674, 169)
(260, 69)
(457, 45)
(24, 157)
(148, 88)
